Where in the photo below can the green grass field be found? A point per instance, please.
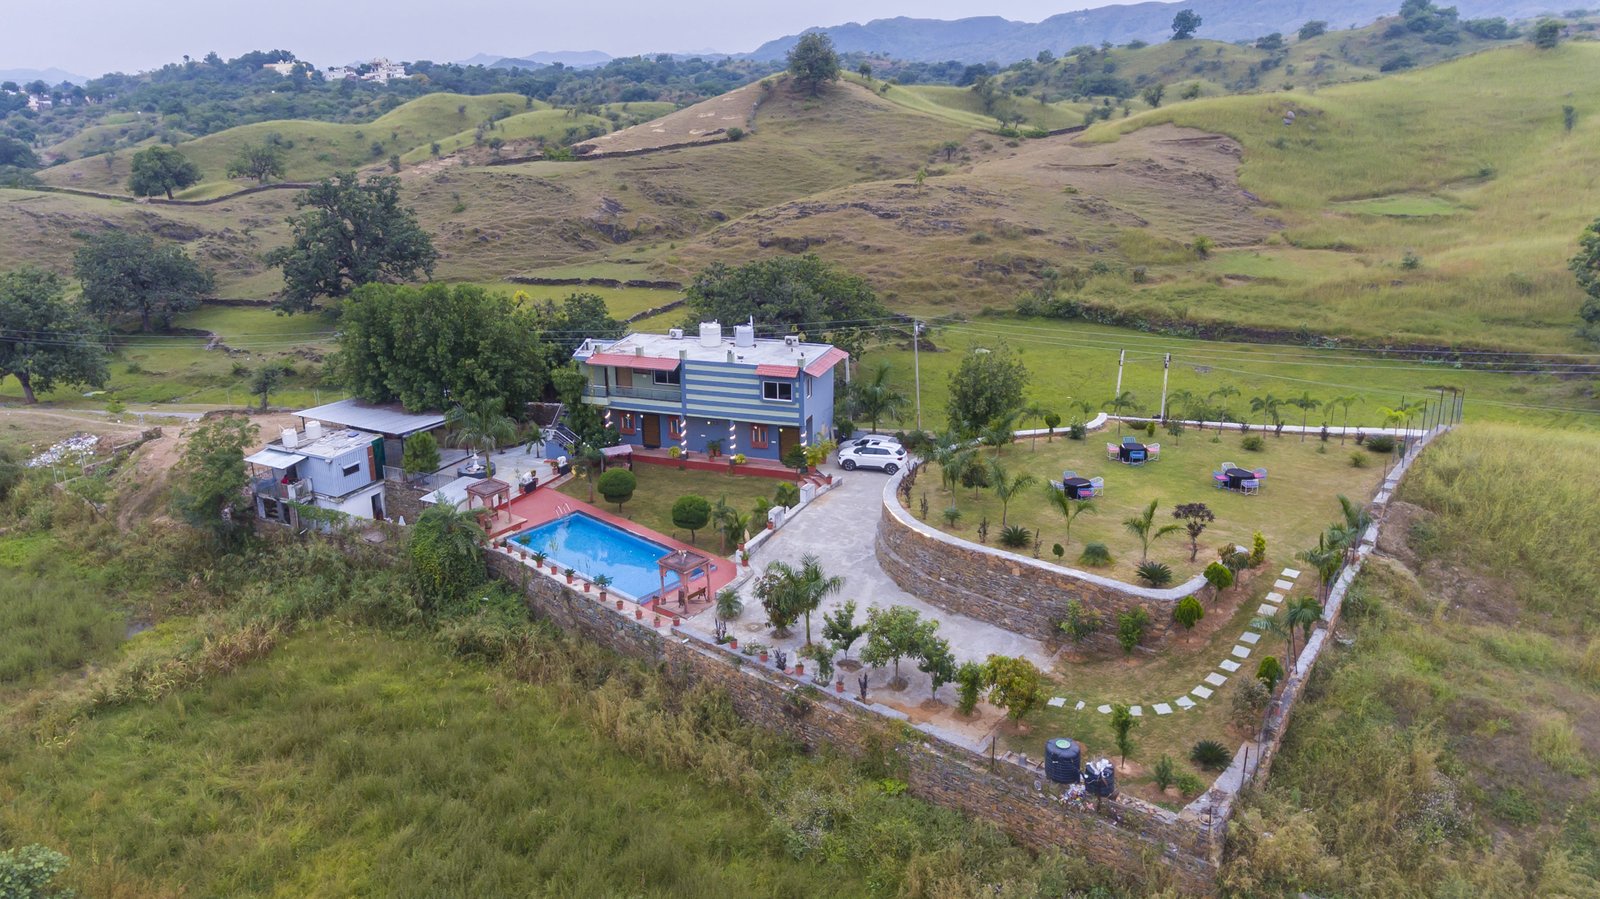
(660, 486)
(960, 106)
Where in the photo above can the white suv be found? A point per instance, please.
(869, 440)
(890, 457)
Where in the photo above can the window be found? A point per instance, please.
(759, 437)
(352, 468)
(808, 387)
(675, 428)
(668, 377)
(629, 423)
(782, 391)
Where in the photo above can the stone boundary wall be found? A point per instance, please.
(1122, 833)
(1021, 594)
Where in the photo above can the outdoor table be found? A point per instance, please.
(1078, 488)
(1132, 452)
(1237, 477)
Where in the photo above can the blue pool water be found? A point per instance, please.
(592, 547)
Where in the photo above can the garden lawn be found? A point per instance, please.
(1298, 499)
(661, 485)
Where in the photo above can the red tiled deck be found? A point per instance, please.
(546, 504)
(765, 468)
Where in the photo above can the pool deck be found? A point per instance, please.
(547, 504)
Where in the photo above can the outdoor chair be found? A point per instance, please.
(1227, 465)
(1153, 451)
(1250, 487)
(1098, 486)
(1220, 480)
(1058, 486)
(1112, 452)
(1128, 440)
(1068, 474)
(1260, 473)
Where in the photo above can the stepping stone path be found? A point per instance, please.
(1078, 707)
(1241, 651)
(1057, 702)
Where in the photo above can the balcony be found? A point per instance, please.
(599, 393)
(291, 491)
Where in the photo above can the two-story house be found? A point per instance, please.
(756, 396)
(340, 469)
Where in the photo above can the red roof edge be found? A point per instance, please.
(625, 360)
(777, 371)
(826, 361)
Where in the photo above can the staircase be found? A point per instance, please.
(559, 433)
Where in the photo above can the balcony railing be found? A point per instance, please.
(292, 491)
(669, 394)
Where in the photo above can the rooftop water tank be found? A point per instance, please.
(313, 431)
(1063, 760)
(290, 438)
(710, 333)
(744, 335)
(1100, 778)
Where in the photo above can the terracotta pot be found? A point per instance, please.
(657, 622)
(838, 686)
(676, 621)
(586, 586)
(602, 594)
(733, 642)
(799, 668)
(763, 658)
(569, 578)
(638, 614)
(619, 605)
(554, 569)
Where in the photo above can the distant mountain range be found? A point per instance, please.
(51, 77)
(577, 59)
(993, 39)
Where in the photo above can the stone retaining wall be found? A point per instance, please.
(1021, 594)
(1121, 834)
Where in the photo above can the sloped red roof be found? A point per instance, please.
(625, 360)
(826, 361)
(777, 371)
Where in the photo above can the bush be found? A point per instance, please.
(1077, 431)
(1164, 772)
(617, 486)
(1130, 628)
(951, 515)
(1381, 443)
(421, 455)
(969, 682)
(1081, 622)
(1269, 672)
(1156, 574)
(692, 513)
(736, 133)
(1095, 554)
(1017, 537)
(976, 477)
(27, 872)
(1189, 785)
(1211, 755)
(1249, 701)
(1252, 443)
(1358, 459)
(1258, 549)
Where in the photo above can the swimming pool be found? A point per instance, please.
(592, 547)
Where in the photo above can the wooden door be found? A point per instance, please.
(652, 430)
(787, 437)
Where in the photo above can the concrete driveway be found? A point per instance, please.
(840, 528)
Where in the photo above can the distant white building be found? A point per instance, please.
(339, 73)
(285, 68)
(38, 102)
(383, 71)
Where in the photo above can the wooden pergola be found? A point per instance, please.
(492, 493)
(683, 563)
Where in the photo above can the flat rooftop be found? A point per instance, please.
(765, 351)
(331, 445)
(388, 419)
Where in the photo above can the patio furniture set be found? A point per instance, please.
(1132, 452)
(1245, 480)
(1078, 487)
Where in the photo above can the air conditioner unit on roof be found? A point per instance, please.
(791, 341)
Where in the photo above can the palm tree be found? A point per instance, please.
(482, 425)
(453, 544)
(946, 453)
(1008, 487)
(1304, 613)
(1344, 402)
(1305, 403)
(1225, 392)
(1034, 412)
(1327, 557)
(805, 588)
(532, 435)
(1069, 508)
(1144, 527)
(999, 432)
(1119, 402)
(876, 396)
(1185, 400)
(1268, 407)
(1277, 626)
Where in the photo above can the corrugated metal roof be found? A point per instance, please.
(828, 360)
(777, 371)
(275, 458)
(628, 360)
(389, 419)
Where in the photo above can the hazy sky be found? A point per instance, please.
(91, 37)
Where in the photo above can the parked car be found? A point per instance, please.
(869, 440)
(890, 457)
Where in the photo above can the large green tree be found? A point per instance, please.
(44, 338)
(431, 346)
(350, 233)
(446, 548)
(893, 634)
(788, 294)
(161, 170)
(1586, 266)
(988, 385)
(262, 162)
(875, 396)
(125, 274)
(1185, 24)
(209, 480)
(813, 62)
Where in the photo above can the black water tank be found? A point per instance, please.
(1062, 760)
(1100, 778)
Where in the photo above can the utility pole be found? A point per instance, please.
(1166, 367)
(916, 365)
(1122, 356)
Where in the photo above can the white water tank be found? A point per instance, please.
(710, 333)
(290, 439)
(744, 335)
(313, 431)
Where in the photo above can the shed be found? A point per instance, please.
(390, 420)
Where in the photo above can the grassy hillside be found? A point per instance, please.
(960, 106)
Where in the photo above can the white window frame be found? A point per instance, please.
(779, 387)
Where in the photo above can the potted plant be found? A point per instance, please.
(733, 642)
(838, 685)
(586, 586)
(638, 613)
(763, 655)
(676, 453)
(619, 605)
(713, 448)
(570, 573)
(657, 622)
(602, 581)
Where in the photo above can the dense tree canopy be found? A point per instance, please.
(209, 481)
(259, 161)
(788, 294)
(161, 170)
(1185, 24)
(44, 338)
(437, 345)
(1586, 266)
(351, 233)
(131, 275)
(813, 63)
(987, 386)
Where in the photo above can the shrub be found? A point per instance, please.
(1164, 772)
(735, 133)
(1219, 576)
(1269, 672)
(969, 682)
(1557, 743)
(617, 486)
(1252, 443)
(421, 455)
(1358, 459)
(1381, 443)
(1130, 628)
(1189, 785)
(951, 515)
(1095, 554)
(1081, 622)
(1410, 260)
(1258, 549)
(786, 495)
(1077, 431)
(28, 871)
(692, 513)
(1210, 755)
(1249, 701)
(975, 477)
(1188, 612)
(1156, 574)
(1016, 536)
